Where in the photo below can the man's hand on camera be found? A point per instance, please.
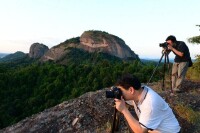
(170, 47)
(120, 105)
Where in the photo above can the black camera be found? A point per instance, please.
(114, 93)
(164, 45)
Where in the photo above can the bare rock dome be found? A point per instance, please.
(37, 50)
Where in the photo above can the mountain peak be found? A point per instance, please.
(37, 50)
(101, 41)
(92, 41)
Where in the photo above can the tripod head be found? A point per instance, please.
(166, 51)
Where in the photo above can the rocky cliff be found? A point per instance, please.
(92, 41)
(37, 50)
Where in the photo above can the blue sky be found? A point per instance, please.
(142, 24)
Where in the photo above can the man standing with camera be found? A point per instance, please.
(181, 62)
(152, 111)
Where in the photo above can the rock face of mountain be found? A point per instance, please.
(37, 50)
(92, 112)
(104, 42)
(92, 41)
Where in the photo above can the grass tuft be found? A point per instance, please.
(188, 114)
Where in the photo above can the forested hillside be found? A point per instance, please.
(31, 88)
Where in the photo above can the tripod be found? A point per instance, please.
(115, 123)
(165, 54)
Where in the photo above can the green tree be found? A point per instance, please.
(193, 72)
(194, 40)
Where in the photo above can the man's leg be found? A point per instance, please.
(182, 69)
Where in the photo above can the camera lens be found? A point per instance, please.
(109, 94)
(114, 93)
(164, 45)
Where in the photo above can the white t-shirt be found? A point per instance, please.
(155, 113)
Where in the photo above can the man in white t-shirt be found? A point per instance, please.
(153, 112)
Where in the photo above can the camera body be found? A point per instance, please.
(164, 45)
(114, 93)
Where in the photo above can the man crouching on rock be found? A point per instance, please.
(153, 112)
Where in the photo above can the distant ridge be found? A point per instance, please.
(155, 60)
(3, 55)
(13, 57)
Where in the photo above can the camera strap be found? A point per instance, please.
(143, 95)
(146, 127)
(137, 105)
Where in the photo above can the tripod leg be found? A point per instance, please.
(115, 123)
(170, 74)
(164, 67)
(155, 68)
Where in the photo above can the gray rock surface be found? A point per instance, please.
(37, 50)
(104, 42)
(90, 113)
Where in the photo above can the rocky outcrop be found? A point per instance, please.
(92, 41)
(54, 54)
(104, 42)
(37, 50)
(92, 112)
